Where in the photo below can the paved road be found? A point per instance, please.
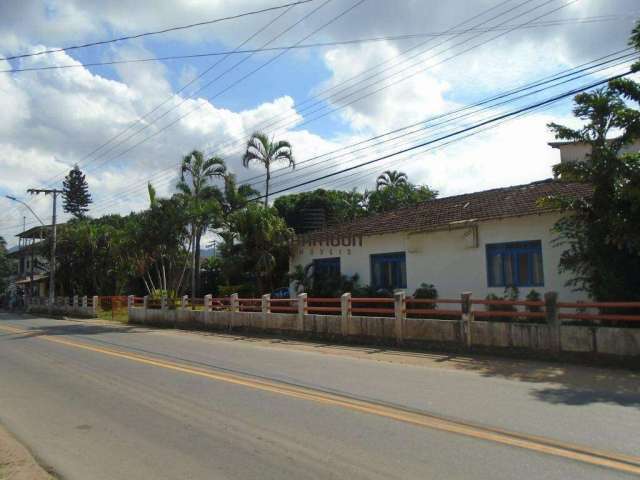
(97, 401)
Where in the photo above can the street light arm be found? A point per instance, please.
(30, 209)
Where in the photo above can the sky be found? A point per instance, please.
(131, 123)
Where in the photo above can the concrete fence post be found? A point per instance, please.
(130, 302)
(145, 302)
(303, 308)
(94, 305)
(208, 302)
(266, 309)
(400, 310)
(467, 317)
(84, 302)
(184, 302)
(345, 310)
(75, 302)
(163, 302)
(551, 312)
(235, 304)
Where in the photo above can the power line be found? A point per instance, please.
(184, 87)
(621, 60)
(156, 32)
(450, 135)
(300, 111)
(553, 78)
(388, 38)
(332, 20)
(229, 87)
(478, 126)
(475, 46)
(410, 75)
(402, 53)
(287, 8)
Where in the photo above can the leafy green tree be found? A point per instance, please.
(397, 196)
(158, 242)
(338, 207)
(601, 232)
(263, 244)
(267, 152)
(391, 178)
(5, 265)
(232, 198)
(75, 193)
(92, 258)
(201, 202)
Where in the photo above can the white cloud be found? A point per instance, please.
(387, 102)
(59, 116)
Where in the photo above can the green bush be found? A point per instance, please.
(426, 291)
(510, 293)
(533, 296)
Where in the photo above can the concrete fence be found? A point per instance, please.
(397, 324)
(71, 306)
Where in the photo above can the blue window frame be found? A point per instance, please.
(517, 264)
(326, 267)
(389, 270)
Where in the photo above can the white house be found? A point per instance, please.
(577, 151)
(479, 242)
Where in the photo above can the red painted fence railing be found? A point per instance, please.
(440, 308)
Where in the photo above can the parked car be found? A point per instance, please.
(282, 292)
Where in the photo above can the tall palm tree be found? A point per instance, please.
(391, 178)
(266, 152)
(200, 200)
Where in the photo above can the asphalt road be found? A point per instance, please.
(96, 401)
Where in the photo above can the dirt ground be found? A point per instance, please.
(16, 462)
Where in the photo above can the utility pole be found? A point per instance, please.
(52, 267)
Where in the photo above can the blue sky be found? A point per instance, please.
(50, 120)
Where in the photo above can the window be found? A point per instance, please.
(517, 264)
(326, 267)
(389, 271)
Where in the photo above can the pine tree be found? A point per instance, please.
(76, 196)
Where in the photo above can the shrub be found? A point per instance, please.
(533, 296)
(510, 293)
(426, 291)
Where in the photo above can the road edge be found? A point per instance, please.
(16, 461)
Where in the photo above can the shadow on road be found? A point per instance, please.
(563, 383)
(66, 329)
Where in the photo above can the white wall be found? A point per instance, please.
(447, 258)
(573, 152)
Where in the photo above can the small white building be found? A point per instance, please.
(480, 242)
(571, 152)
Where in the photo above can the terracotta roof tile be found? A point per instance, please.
(512, 201)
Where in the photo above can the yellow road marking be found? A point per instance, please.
(625, 463)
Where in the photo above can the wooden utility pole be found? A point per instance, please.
(52, 267)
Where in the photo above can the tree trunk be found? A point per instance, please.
(266, 194)
(198, 238)
(193, 267)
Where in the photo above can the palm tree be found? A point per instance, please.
(391, 178)
(200, 200)
(232, 198)
(262, 150)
